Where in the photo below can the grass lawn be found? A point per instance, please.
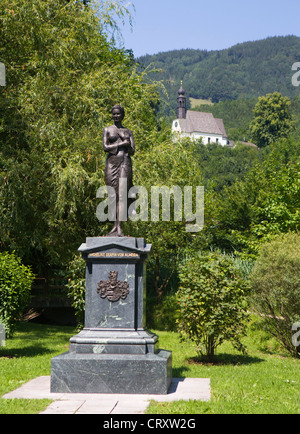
(196, 102)
(26, 356)
(265, 381)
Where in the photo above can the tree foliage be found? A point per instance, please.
(76, 288)
(15, 289)
(275, 280)
(222, 166)
(272, 119)
(262, 205)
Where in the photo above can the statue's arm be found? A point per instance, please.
(132, 144)
(112, 148)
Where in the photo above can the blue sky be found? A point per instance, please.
(162, 25)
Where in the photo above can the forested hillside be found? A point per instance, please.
(246, 70)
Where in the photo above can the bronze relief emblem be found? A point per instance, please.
(113, 289)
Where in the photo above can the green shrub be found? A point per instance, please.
(275, 282)
(76, 288)
(15, 288)
(163, 315)
(213, 302)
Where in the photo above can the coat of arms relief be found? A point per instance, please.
(113, 289)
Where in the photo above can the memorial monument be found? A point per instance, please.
(114, 353)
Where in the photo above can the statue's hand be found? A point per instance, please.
(126, 143)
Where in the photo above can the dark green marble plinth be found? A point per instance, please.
(111, 373)
(114, 353)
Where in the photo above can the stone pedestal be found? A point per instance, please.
(114, 353)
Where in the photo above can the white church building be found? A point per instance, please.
(198, 125)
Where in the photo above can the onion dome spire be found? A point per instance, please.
(181, 103)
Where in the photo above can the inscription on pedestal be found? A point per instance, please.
(115, 255)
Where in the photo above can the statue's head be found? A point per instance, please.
(120, 109)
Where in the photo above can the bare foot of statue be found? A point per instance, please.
(115, 232)
(119, 232)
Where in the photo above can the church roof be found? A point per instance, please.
(221, 126)
(200, 122)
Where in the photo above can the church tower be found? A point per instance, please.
(181, 104)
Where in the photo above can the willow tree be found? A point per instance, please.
(64, 73)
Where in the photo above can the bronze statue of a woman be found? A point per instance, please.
(119, 143)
